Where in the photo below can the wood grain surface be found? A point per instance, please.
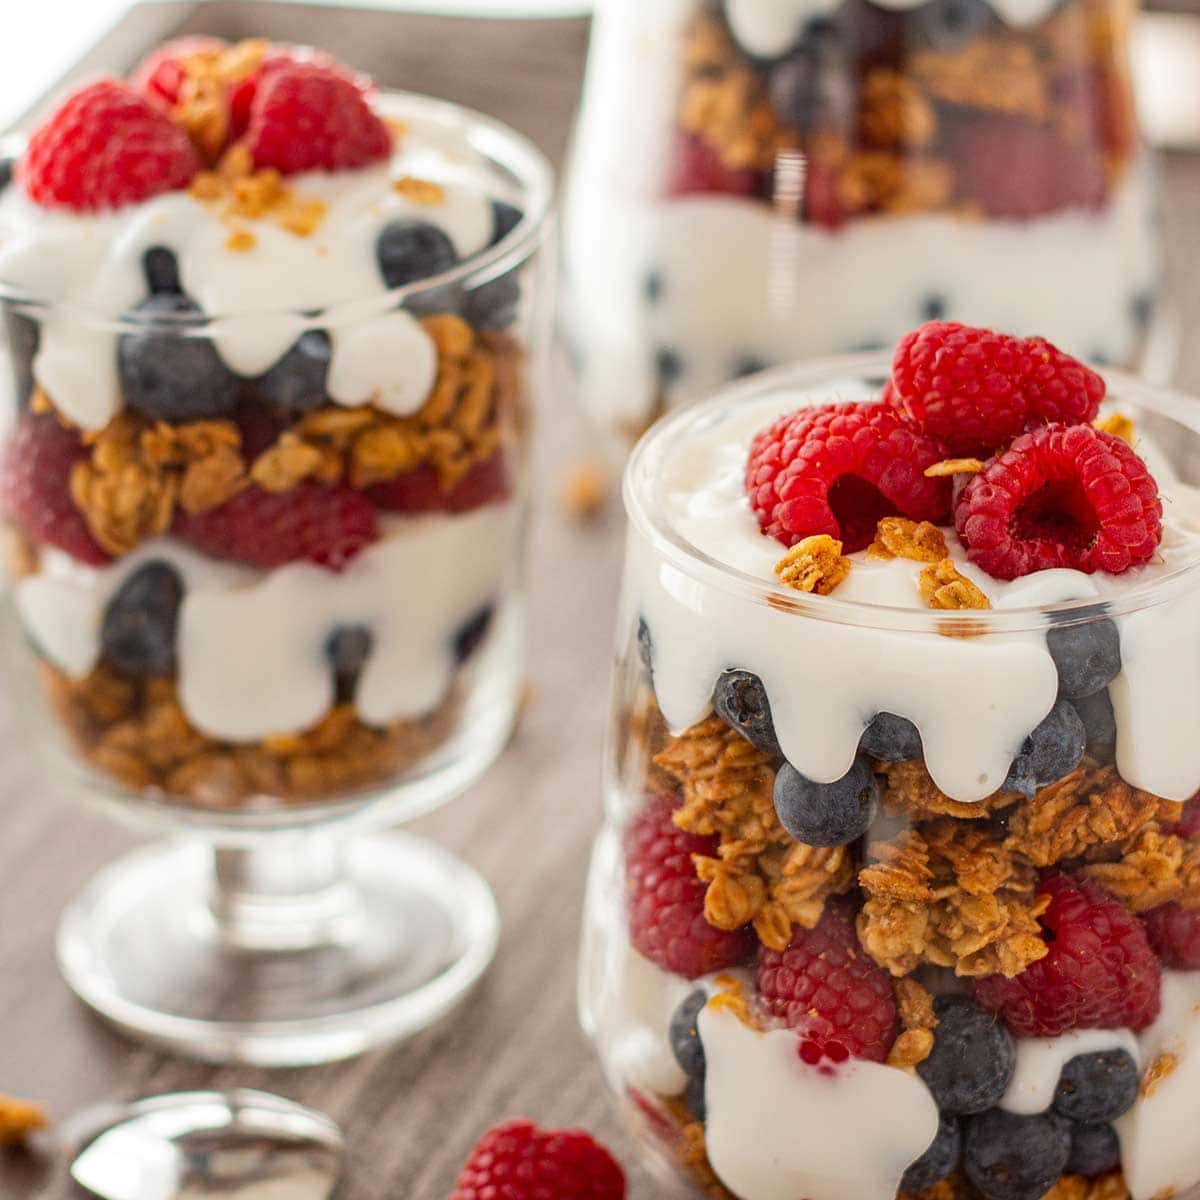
(412, 1113)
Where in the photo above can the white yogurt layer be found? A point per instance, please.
(92, 264)
(1040, 1062)
(975, 700)
(251, 644)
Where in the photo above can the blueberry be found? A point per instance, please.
(741, 702)
(493, 305)
(809, 91)
(348, 648)
(645, 645)
(1097, 1087)
(24, 336)
(1095, 1150)
(1008, 1157)
(1088, 657)
(505, 218)
(410, 250)
(934, 308)
(948, 25)
(748, 364)
(7, 166)
(668, 365)
(161, 268)
(1142, 308)
(973, 1057)
(1052, 750)
(296, 383)
(138, 632)
(826, 814)
(652, 287)
(1099, 720)
(170, 376)
(470, 637)
(694, 1098)
(685, 1037)
(890, 738)
(939, 1160)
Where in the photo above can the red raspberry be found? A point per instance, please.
(1014, 168)
(160, 76)
(1100, 972)
(976, 390)
(325, 525)
(519, 1161)
(822, 205)
(1189, 822)
(825, 988)
(105, 147)
(35, 485)
(1174, 932)
(837, 469)
(307, 116)
(697, 170)
(1061, 496)
(666, 900)
(421, 490)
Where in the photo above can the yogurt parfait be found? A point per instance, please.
(899, 886)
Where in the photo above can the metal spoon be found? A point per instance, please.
(237, 1145)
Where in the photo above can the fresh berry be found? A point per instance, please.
(472, 633)
(161, 269)
(493, 305)
(1053, 750)
(1097, 1087)
(348, 648)
(822, 199)
(258, 426)
(309, 522)
(1099, 720)
(1014, 168)
(408, 251)
(1095, 1150)
(826, 814)
(505, 218)
(8, 166)
(106, 147)
(740, 700)
(685, 1036)
(23, 335)
(810, 92)
(162, 74)
(1189, 822)
(666, 900)
(838, 469)
(939, 1160)
(307, 116)
(421, 490)
(1088, 656)
(519, 1161)
(1061, 496)
(138, 632)
(696, 169)
(172, 371)
(296, 383)
(973, 1057)
(825, 988)
(645, 646)
(1099, 971)
(695, 1096)
(976, 390)
(948, 25)
(35, 485)
(890, 738)
(1174, 932)
(1008, 1157)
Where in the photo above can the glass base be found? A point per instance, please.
(161, 946)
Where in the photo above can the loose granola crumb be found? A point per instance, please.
(1119, 425)
(1160, 1069)
(898, 537)
(691, 1151)
(815, 564)
(1001, 74)
(913, 1046)
(914, 1003)
(907, 789)
(19, 1119)
(1080, 1187)
(420, 191)
(882, 181)
(585, 490)
(893, 111)
(943, 586)
(954, 466)
(241, 241)
(730, 997)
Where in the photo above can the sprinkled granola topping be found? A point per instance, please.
(1119, 425)
(1161, 1068)
(814, 565)
(898, 537)
(19, 1119)
(943, 586)
(420, 191)
(954, 466)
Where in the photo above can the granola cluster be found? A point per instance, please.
(19, 1119)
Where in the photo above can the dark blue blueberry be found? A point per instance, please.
(7, 166)
(505, 218)
(668, 365)
(296, 383)
(645, 645)
(810, 91)
(685, 1036)
(1052, 750)
(748, 364)
(694, 1098)
(161, 268)
(493, 305)
(890, 738)
(168, 375)
(1099, 1087)
(740, 700)
(973, 1057)
(934, 308)
(1100, 357)
(1099, 720)
(470, 637)
(826, 814)
(348, 648)
(939, 1160)
(1142, 308)
(1008, 1157)
(948, 25)
(408, 251)
(1095, 1150)
(652, 287)
(24, 335)
(1088, 657)
(138, 633)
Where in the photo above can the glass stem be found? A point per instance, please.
(293, 893)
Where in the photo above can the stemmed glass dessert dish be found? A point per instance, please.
(273, 336)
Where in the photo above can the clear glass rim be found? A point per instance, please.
(648, 514)
(499, 143)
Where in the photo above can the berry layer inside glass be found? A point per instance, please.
(898, 888)
(263, 505)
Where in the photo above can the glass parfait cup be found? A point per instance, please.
(767, 1009)
(271, 717)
